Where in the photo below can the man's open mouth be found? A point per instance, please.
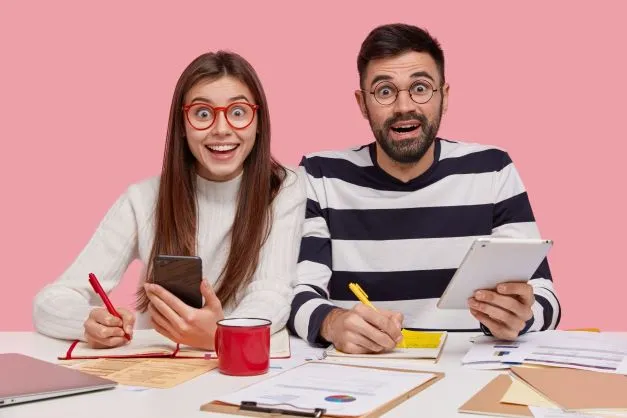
(405, 127)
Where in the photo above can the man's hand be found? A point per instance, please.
(180, 322)
(362, 329)
(505, 311)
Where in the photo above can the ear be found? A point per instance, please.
(361, 102)
(445, 91)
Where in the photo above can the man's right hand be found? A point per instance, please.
(362, 330)
(103, 330)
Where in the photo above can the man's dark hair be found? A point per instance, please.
(395, 39)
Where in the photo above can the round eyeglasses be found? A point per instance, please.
(386, 92)
(202, 116)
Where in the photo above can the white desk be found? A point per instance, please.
(440, 400)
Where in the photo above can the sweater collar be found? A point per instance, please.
(218, 190)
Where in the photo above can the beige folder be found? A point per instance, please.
(577, 390)
(488, 400)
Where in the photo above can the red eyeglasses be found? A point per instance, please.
(201, 116)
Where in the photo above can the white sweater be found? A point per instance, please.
(127, 232)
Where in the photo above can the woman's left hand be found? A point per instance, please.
(180, 322)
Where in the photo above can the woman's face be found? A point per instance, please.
(220, 126)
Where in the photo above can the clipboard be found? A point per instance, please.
(253, 409)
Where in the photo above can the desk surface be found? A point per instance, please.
(440, 400)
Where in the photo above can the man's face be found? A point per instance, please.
(403, 127)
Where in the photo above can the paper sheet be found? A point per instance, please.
(389, 363)
(520, 393)
(489, 353)
(579, 350)
(340, 389)
(105, 367)
(153, 373)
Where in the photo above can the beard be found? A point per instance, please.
(409, 150)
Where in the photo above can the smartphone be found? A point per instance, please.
(181, 276)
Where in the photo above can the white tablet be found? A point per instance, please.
(491, 261)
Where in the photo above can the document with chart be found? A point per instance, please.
(339, 389)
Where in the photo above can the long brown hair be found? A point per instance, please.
(176, 211)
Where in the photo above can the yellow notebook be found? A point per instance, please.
(419, 345)
(420, 339)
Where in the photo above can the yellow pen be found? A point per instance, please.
(361, 295)
(363, 298)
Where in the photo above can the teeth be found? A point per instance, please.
(225, 147)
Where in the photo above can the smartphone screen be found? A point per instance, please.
(181, 276)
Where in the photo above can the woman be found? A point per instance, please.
(220, 196)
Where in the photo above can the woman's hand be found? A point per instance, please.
(103, 330)
(180, 322)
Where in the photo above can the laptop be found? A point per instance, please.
(30, 379)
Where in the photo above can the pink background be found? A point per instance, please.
(85, 92)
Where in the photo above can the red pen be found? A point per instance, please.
(98, 289)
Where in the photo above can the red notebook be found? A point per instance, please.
(148, 343)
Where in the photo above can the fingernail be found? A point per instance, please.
(399, 338)
(480, 295)
(501, 288)
(473, 304)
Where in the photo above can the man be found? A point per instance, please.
(398, 215)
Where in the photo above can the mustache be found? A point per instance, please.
(405, 117)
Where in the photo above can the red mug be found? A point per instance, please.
(243, 346)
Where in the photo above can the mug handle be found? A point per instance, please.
(216, 342)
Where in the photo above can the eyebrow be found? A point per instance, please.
(232, 99)
(385, 77)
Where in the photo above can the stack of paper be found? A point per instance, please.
(488, 353)
(579, 350)
(534, 391)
